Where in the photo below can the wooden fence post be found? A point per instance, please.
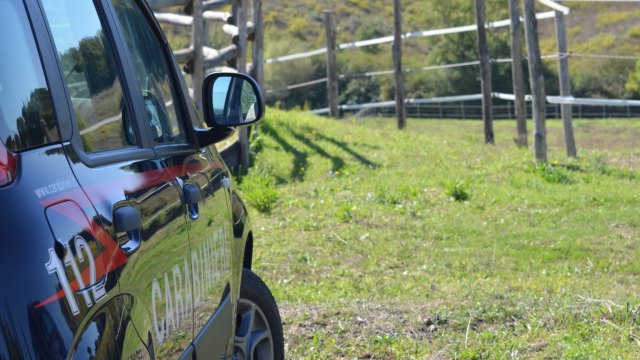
(241, 23)
(206, 41)
(485, 72)
(332, 65)
(397, 64)
(258, 44)
(536, 78)
(565, 82)
(197, 75)
(241, 66)
(257, 55)
(516, 73)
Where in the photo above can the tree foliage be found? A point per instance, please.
(294, 26)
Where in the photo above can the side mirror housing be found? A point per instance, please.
(206, 137)
(231, 100)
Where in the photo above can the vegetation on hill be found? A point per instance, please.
(426, 243)
(296, 25)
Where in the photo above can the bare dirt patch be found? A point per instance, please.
(355, 320)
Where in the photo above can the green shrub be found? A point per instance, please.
(344, 212)
(550, 173)
(457, 190)
(259, 192)
(617, 172)
(386, 196)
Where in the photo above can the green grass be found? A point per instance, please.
(369, 254)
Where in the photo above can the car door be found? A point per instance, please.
(210, 231)
(137, 199)
(200, 173)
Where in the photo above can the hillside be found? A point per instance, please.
(370, 255)
(296, 25)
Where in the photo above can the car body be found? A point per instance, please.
(123, 235)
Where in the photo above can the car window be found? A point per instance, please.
(26, 114)
(91, 75)
(152, 70)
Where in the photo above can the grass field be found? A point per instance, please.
(426, 243)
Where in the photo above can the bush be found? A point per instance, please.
(550, 173)
(259, 192)
(344, 212)
(385, 195)
(457, 190)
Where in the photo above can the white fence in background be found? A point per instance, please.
(581, 107)
(466, 111)
(389, 39)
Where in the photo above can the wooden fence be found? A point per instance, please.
(536, 76)
(199, 58)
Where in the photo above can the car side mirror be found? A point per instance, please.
(231, 100)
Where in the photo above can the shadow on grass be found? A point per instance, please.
(344, 146)
(338, 163)
(299, 157)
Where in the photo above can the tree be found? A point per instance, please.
(633, 84)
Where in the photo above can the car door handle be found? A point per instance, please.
(127, 219)
(192, 194)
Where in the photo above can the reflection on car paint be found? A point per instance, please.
(208, 264)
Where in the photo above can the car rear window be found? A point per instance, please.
(26, 114)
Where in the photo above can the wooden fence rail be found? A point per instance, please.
(198, 58)
(206, 5)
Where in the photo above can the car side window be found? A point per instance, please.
(26, 114)
(152, 70)
(93, 81)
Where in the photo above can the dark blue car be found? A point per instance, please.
(122, 236)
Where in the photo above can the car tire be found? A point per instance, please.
(259, 332)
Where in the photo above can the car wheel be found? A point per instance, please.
(258, 327)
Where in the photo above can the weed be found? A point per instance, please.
(407, 193)
(305, 225)
(386, 195)
(344, 212)
(259, 191)
(457, 190)
(256, 145)
(618, 173)
(550, 172)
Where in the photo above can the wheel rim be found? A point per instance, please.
(253, 339)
